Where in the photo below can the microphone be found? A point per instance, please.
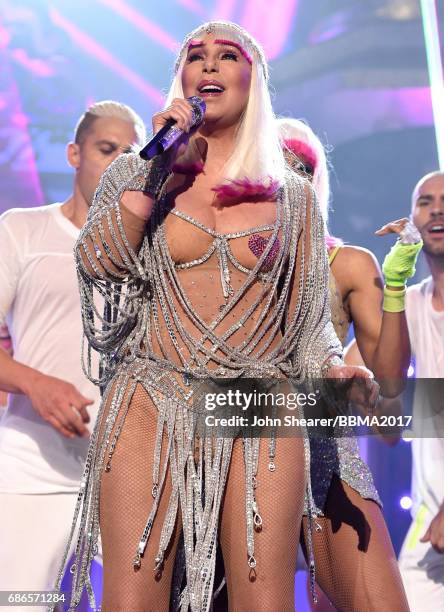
(170, 133)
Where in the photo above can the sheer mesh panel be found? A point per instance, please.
(270, 586)
(125, 502)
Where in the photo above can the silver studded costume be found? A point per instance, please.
(340, 454)
(158, 331)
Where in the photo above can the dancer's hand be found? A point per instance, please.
(435, 532)
(360, 385)
(399, 263)
(60, 404)
(393, 227)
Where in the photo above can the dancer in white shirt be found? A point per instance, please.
(52, 406)
(422, 555)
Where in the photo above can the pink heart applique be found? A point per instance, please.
(257, 245)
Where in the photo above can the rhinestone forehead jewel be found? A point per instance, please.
(228, 30)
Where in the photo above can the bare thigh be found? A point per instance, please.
(356, 566)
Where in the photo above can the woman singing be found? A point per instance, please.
(211, 261)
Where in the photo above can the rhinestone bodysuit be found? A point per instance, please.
(170, 320)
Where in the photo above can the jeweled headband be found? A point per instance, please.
(226, 31)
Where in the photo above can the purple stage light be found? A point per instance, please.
(224, 9)
(194, 7)
(18, 170)
(37, 66)
(142, 23)
(89, 45)
(271, 28)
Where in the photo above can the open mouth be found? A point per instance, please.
(436, 229)
(209, 89)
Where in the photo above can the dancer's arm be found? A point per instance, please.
(56, 401)
(321, 353)
(386, 406)
(382, 337)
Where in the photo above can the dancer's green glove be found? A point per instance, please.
(399, 263)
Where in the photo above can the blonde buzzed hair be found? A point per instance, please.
(109, 109)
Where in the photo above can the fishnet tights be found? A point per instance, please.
(125, 502)
(270, 587)
(356, 565)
